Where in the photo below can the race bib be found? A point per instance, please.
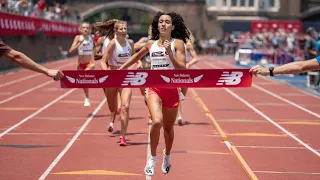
(160, 63)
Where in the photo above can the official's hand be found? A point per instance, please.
(55, 74)
(259, 70)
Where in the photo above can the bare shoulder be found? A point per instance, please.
(131, 42)
(149, 43)
(178, 44)
(144, 39)
(189, 44)
(112, 43)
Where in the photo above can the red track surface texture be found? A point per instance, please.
(47, 133)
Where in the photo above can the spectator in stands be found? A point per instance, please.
(41, 7)
(50, 14)
(311, 43)
(21, 7)
(4, 5)
(318, 46)
(78, 18)
(290, 42)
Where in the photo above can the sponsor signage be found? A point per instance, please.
(157, 78)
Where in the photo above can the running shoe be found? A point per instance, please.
(179, 119)
(123, 142)
(181, 96)
(87, 102)
(166, 164)
(111, 127)
(151, 164)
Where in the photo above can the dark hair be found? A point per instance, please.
(180, 31)
(107, 28)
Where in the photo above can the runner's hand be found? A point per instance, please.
(167, 45)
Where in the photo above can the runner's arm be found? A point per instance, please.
(193, 53)
(107, 55)
(98, 48)
(179, 60)
(137, 56)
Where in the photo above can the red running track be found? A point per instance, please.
(47, 133)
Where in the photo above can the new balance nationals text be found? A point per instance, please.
(196, 78)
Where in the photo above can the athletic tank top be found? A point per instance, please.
(105, 45)
(159, 57)
(86, 47)
(120, 54)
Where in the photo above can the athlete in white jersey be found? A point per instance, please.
(191, 59)
(85, 45)
(167, 52)
(101, 47)
(159, 57)
(117, 53)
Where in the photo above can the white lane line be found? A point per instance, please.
(212, 65)
(148, 147)
(27, 91)
(273, 94)
(273, 122)
(75, 137)
(270, 147)
(62, 134)
(19, 80)
(31, 76)
(35, 113)
(277, 172)
(278, 82)
(49, 134)
(286, 100)
(291, 86)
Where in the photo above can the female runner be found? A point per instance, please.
(85, 45)
(117, 53)
(100, 49)
(167, 51)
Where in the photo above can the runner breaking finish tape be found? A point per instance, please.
(167, 74)
(196, 78)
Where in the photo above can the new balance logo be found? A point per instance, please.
(135, 79)
(230, 79)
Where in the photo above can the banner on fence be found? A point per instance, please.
(16, 25)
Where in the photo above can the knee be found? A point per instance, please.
(125, 108)
(157, 124)
(168, 129)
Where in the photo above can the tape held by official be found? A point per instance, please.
(196, 78)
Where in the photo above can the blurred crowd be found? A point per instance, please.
(50, 10)
(301, 46)
(268, 48)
